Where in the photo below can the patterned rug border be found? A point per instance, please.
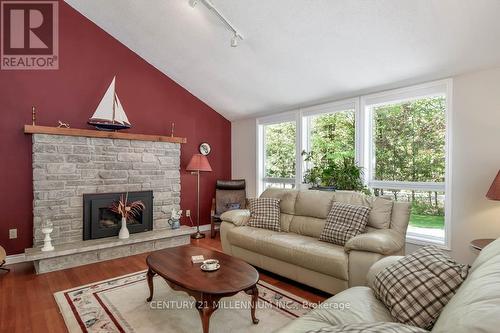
(74, 322)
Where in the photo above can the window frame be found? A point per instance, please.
(368, 102)
(364, 150)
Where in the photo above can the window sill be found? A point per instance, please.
(420, 239)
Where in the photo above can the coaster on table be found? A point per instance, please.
(197, 259)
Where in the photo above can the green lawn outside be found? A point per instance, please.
(427, 221)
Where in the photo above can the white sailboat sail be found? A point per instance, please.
(120, 115)
(105, 108)
(110, 114)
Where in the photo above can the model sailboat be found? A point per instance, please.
(109, 114)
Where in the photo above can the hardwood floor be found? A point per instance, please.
(27, 303)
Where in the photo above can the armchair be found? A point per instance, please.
(229, 195)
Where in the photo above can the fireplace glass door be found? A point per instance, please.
(100, 221)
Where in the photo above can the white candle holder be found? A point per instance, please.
(47, 228)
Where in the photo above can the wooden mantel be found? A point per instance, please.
(30, 129)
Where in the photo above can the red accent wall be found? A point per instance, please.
(89, 58)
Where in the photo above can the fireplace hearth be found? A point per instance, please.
(99, 221)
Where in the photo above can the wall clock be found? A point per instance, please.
(205, 148)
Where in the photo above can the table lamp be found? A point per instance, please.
(493, 194)
(494, 191)
(198, 163)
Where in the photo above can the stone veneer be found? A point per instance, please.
(66, 167)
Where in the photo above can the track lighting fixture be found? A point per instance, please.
(236, 35)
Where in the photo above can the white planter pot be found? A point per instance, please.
(124, 234)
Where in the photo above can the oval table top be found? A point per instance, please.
(174, 264)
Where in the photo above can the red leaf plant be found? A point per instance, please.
(127, 209)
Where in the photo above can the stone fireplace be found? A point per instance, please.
(76, 177)
(67, 167)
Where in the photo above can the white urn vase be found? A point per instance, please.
(47, 228)
(124, 234)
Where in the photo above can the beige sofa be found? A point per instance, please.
(296, 252)
(475, 308)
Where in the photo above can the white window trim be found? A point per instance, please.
(363, 143)
(436, 88)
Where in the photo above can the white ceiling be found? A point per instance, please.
(300, 52)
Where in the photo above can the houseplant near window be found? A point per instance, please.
(330, 175)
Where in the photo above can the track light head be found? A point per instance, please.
(236, 35)
(234, 41)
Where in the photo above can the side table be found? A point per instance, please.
(479, 244)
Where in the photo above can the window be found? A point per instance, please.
(279, 157)
(278, 160)
(400, 138)
(329, 136)
(406, 155)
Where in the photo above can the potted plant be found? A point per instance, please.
(126, 209)
(333, 174)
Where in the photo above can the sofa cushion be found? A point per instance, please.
(314, 203)
(400, 216)
(351, 306)
(286, 219)
(418, 286)
(307, 226)
(475, 306)
(265, 213)
(295, 249)
(376, 327)
(344, 222)
(287, 198)
(381, 207)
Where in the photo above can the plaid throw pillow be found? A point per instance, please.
(265, 213)
(344, 221)
(378, 327)
(416, 288)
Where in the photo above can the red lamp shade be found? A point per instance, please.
(494, 191)
(198, 162)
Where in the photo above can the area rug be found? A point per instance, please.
(119, 305)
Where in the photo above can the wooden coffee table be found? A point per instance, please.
(175, 266)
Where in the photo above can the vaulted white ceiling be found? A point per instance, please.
(299, 52)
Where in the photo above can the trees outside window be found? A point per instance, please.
(410, 140)
(280, 155)
(409, 158)
(332, 135)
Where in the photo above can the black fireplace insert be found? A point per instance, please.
(99, 221)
